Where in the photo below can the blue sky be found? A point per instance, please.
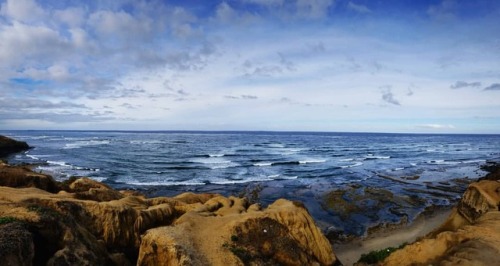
(317, 65)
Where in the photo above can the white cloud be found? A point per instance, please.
(313, 9)
(268, 3)
(73, 17)
(22, 10)
(436, 126)
(358, 8)
(443, 11)
(24, 45)
(122, 25)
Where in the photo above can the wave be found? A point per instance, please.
(282, 177)
(140, 142)
(373, 157)
(312, 161)
(165, 183)
(34, 157)
(263, 164)
(239, 181)
(80, 144)
(213, 155)
(442, 162)
(60, 163)
(352, 165)
(346, 160)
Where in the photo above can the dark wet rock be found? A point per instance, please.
(9, 146)
(493, 169)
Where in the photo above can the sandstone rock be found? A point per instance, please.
(86, 188)
(88, 223)
(9, 146)
(470, 236)
(284, 233)
(15, 176)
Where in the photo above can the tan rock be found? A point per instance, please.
(15, 176)
(224, 231)
(91, 224)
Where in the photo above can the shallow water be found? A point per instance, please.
(409, 172)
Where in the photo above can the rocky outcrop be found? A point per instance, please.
(240, 234)
(19, 177)
(9, 146)
(84, 222)
(470, 236)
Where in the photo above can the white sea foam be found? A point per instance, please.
(98, 178)
(474, 161)
(240, 181)
(80, 144)
(165, 183)
(312, 161)
(352, 165)
(216, 155)
(346, 160)
(282, 177)
(263, 164)
(442, 162)
(373, 157)
(60, 163)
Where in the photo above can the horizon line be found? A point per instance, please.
(247, 131)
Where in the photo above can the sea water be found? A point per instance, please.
(296, 165)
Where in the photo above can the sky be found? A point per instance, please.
(279, 65)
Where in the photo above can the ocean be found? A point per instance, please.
(374, 178)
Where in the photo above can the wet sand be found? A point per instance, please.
(349, 253)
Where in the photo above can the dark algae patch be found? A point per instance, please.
(379, 255)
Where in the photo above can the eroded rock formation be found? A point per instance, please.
(9, 146)
(84, 222)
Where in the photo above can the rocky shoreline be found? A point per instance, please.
(83, 222)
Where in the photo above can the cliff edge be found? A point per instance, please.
(9, 146)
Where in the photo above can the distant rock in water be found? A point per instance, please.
(9, 146)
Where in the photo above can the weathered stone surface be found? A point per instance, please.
(88, 223)
(9, 146)
(18, 177)
(238, 234)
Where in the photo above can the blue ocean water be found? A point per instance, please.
(296, 165)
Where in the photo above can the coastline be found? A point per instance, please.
(350, 252)
(55, 197)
